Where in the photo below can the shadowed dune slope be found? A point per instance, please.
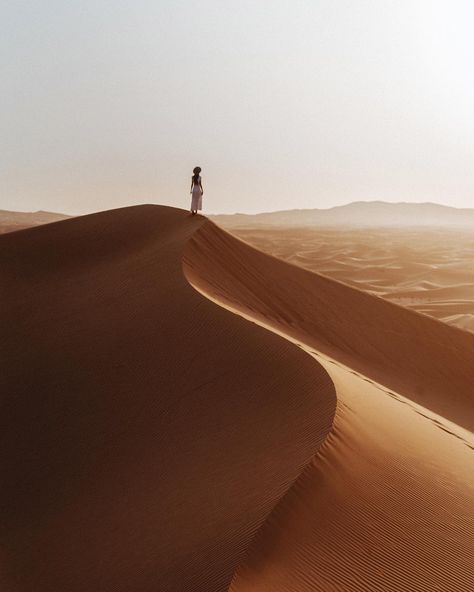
(388, 502)
(146, 432)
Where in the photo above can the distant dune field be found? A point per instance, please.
(182, 411)
(430, 270)
(11, 221)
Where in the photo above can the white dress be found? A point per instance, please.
(196, 200)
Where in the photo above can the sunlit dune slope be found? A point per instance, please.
(388, 502)
(146, 432)
(387, 505)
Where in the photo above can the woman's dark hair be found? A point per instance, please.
(196, 171)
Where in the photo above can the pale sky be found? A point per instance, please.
(284, 104)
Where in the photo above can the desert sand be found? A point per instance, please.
(146, 432)
(182, 411)
(430, 270)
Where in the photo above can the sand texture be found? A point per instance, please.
(184, 412)
(146, 432)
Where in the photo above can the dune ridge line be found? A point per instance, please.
(146, 432)
(388, 501)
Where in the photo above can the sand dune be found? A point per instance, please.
(146, 432)
(386, 505)
(154, 439)
(389, 343)
(430, 270)
(388, 502)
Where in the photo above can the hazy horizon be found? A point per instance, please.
(237, 213)
(312, 104)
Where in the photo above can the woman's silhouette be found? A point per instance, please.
(196, 191)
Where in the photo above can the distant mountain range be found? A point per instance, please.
(10, 221)
(360, 213)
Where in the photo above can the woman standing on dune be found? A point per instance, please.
(196, 191)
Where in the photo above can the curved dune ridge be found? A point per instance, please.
(155, 441)
(388, 501)
(423, 358)
(146, 432)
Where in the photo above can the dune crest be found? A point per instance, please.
(388, 502)
(146, 432)
(154, 440)
(420, 357)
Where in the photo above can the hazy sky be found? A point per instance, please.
(284, 104)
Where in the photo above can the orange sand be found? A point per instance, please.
(388, 502)
(430, 270)
(146, 432)
(153, 440)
